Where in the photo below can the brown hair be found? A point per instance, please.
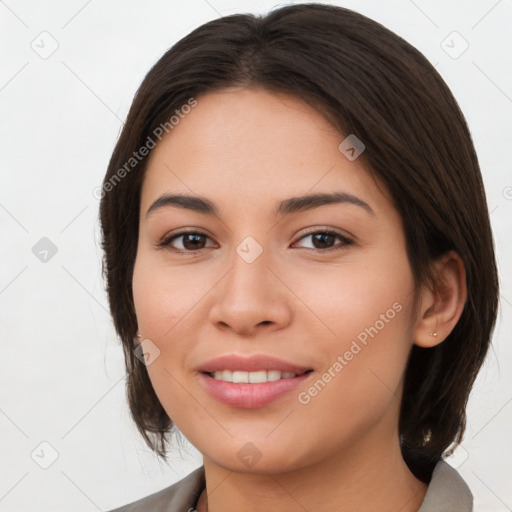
(368, 82)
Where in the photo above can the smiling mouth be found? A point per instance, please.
(257, 377)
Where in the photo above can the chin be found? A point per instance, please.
(273, 465)
(257, 458)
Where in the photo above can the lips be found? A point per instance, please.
(230, 379)
(254, 363)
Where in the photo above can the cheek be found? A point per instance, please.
(350, 299)
(163, 302)
(169, 308)
(368, 317)
(163, 297)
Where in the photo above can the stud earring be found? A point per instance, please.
(435, 332)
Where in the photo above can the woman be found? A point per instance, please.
(300, 266)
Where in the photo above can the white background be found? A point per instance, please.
(61, 369)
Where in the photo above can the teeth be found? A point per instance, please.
(239, 377)
(255, 377)
(273, 375)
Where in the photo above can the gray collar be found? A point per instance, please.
(447, 491)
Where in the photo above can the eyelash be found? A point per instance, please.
(166, 242)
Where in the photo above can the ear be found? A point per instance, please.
(442, 303)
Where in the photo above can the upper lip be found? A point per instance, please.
(250, 364)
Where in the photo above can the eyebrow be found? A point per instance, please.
(285, 207)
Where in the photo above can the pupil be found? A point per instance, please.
(324, 238)
(190, 237)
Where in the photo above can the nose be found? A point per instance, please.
(251, 298)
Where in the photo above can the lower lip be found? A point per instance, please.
(250, 396)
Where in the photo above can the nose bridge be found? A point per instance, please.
(248, 279)
(250, 294)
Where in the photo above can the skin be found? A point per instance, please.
(245, 149)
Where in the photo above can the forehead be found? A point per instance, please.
(251, 145)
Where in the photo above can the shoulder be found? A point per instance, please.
(181, 496)
(447, 491)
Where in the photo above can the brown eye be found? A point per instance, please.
(323, 240)
(185, 242)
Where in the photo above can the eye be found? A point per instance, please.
(323, 240)
(191, 241)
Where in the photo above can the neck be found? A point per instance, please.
(342, 483)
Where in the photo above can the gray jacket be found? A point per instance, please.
(447, 492)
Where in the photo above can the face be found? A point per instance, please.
(320, 287)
